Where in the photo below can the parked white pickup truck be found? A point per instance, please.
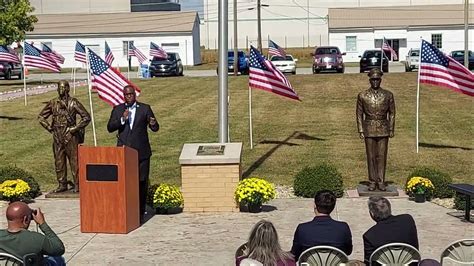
(412, 59)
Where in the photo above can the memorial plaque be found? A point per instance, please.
(210, 150)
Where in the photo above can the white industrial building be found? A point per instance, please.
(174, 31)
(353, 31)
(291, 23)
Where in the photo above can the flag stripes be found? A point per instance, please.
(8, 55)
(157, 51)
(265, 76)
(133, 51)
(274, 49)
(109, 57)
(80, 52)
(34, 58)
(56, 57)
(108, 82)
(387, 47)
(441, 70)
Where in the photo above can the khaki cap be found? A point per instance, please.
(375, 73)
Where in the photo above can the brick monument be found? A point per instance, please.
(210, 173)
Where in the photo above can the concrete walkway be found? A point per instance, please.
(211, 239)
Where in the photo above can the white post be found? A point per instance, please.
(128, 60)
(250, 119)
(90, 96)
(186, 53)
(382, 55)
(41, 77)
(418, 100)
(228, 124)
(24, 76)
(74, 80)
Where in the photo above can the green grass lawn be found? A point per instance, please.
(288, 135)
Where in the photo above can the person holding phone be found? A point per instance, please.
(131, 120)
(18, 241)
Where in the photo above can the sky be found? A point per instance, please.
(195, 5)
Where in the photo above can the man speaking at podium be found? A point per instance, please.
(131, 120)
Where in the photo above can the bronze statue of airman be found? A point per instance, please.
(67, 133)
(376, 124)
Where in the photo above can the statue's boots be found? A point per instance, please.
(76, 188)
(381, 186)
(372, 186)
(61, 188)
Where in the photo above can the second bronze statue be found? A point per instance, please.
(375, 114)
(67, 133)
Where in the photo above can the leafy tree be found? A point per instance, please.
(15, 20)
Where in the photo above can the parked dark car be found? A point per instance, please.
(243, 63)
(459, 56)
(328, 58)
(9, 70)
(170, 66)
(371, 59)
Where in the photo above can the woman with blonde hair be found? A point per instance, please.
(263, 248)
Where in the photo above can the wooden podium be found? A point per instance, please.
(108, 182)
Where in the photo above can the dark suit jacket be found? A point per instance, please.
(137, 137)
(322, 230)
(400, 229)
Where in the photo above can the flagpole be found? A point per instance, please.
(250, 119)
(74, 79)
(128, 60)
(90, 96)
(24, 76)
(381, 56)
(418, 100)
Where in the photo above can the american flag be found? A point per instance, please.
(265, 76)
(274, 49)
(107, 81)
(389, 48)
(59, 59)
(109, 57)
(8, 55)
(34, 58)
(157, 51)
(439, 69)
(80, 52)
(133, 51)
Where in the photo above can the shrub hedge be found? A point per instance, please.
(13, 172)
(313, 179)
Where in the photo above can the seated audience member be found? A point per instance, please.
(18, 241)
(322, 230)
(388, 228)
(263, 248)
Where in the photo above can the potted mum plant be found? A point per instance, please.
(253, 192)
(167, 199)
(419, 187)
(14, 190)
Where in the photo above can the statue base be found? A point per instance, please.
(364, 191)
(68, 194)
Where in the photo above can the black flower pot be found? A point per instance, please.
(164, 211)
(255, 208)
(420, 198)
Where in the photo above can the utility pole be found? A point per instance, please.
(259, 26)
(307, 18)
(223, 64)
(466, 33)
(236, 43)
(207, 24)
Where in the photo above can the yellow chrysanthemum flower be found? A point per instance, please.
(167, 196)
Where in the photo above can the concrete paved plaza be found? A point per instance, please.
(211, 239)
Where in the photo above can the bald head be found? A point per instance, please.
(17, 211)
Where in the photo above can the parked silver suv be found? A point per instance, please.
(412, 59)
